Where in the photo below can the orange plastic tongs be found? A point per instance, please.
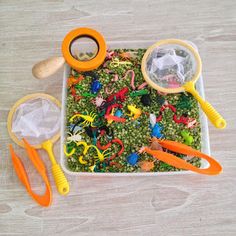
(213, 169)
(43, 200)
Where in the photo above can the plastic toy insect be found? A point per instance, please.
(74, 127)
(99, 167)
(100, 155)
(187, 121)
(156, 131)
(116, 63)
(86, 148)
(74, 137)
(188, 139)
(146, 99)
(119, 96)
(110, 55)
(132, 159)
(88, 95)
(109, 144)
(110, 114)
(184, 102)
(143, 85)
(68, 153)
(135, 112)
(91, 74)
(98, 101)
(160, 100)
(184, 119)
(110, 86)
(128, 55)
(155, 145)
(118, 113)
(108, 130)
(146, 165)
(74, 81)
(91, 131)
(191, 123)
(73, 93)
(171, 107)
(109, 121)
(138, 93)
(152, 119)
(88, 119)
(95, 86)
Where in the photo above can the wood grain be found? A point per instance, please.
(164, 205)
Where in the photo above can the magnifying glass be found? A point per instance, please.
(83, 49)
(37, 118)
(173, 66)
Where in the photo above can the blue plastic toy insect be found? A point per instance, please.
(118, 113)
(132, 159)
(156, 131)
(95, 86)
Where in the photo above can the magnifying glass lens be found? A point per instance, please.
(84, 48)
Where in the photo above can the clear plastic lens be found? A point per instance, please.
(84, 49)
(171, 65)
(36, 120)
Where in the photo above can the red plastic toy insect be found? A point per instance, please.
(119, 96)
(108, 145)
(109, 116)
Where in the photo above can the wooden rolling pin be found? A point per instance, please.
(47, 67)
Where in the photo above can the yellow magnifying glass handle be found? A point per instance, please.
(216, 119)
(59, 177)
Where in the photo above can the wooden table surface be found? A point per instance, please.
(161, 205)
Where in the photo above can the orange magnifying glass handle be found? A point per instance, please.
(213, 169)
(46, 198)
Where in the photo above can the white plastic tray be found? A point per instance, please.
(205, 145)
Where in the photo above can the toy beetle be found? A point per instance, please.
(95, 86)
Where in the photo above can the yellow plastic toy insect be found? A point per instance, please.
(135, 112)
(116, 62)
(88, 119)
(109, 121)
(68, 154)
(100, 155)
